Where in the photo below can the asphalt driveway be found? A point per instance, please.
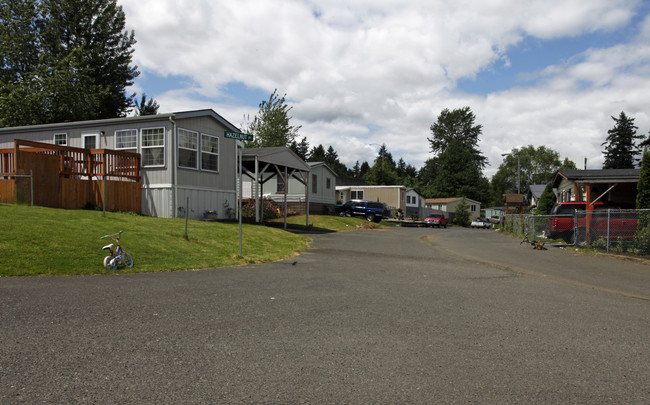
(403, 315)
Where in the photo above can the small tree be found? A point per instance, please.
(621, 149)
(146, 107)
(271, 125)
(461, 216)
(546, 201)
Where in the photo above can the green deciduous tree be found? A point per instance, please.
(271, 126)
(621, 149)
(536, 165)
(643, 186)
(64, 60)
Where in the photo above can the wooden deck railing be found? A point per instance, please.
(75, 161)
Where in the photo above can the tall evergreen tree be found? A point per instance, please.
(456, 168)
(546, 201)
(146, 107)
(384, 171)
(457, 125)
(621, 149)
(317, 154)
(64, 60)
(356, 170)
(363, 170)
(332, 160)
(301, 148)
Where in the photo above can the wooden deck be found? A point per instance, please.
(67, 177)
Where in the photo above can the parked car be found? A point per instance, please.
(480, 223)
(370, 210)
(436, 220)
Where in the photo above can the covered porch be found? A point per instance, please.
(263, 164)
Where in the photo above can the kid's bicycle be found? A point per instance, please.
(118, 257)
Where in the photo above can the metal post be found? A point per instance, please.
(31, 185)
(104, 197)
(240, 198)
(187, 214)
(518, 175)
(608, 219)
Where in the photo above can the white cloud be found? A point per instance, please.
(381, 71)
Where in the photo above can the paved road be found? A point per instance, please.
(397, 316)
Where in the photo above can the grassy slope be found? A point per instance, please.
(46, 241)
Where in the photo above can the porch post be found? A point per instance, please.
(589, 210)
(286, 191)
(307, 199)
(257, 185)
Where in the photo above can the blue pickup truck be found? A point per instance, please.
(370, 210)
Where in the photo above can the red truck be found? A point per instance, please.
(561, 223)
(436, 220)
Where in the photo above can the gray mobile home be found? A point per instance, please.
(186, 163)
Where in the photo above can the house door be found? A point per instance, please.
(90, 140)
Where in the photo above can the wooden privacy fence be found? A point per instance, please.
(67, 177)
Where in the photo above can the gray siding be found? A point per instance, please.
(208, 190)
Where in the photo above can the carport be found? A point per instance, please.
(263, 164)
(615, 186)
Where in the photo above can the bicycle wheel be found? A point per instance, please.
(108, 264)
(127, 259)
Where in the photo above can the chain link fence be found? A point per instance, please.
(610, 230)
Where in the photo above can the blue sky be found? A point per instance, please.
(543, 73)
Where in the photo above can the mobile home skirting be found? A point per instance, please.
(157, 201)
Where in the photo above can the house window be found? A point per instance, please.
(281, 183)
(188, 149)
(61, 139)
(127, 140)
(209, 153)
(328, 183)
(356, 195)
(314, 184)
(473, 208)
(153, 147)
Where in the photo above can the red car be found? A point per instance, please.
(436, 220)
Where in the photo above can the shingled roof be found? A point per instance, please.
(598, 176)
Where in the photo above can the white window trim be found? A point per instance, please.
(164, 146)
(196, 151)
(123, 130)
(218, 154)
(65, 134)
(88, 135)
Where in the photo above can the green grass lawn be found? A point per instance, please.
(47, 241)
